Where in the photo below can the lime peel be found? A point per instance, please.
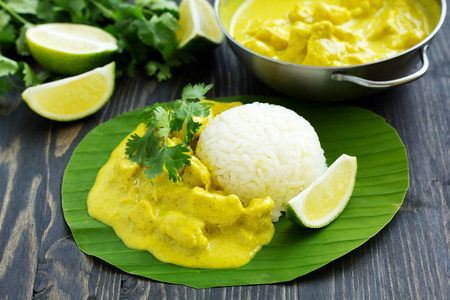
(325, 199)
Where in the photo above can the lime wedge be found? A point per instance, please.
(70, 49)
(199, 31)
(72, 98)
(325, 199)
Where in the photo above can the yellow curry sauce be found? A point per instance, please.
(330, 32)
(190, 223)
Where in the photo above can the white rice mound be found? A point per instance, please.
(258, 150)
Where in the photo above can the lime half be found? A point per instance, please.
(72, 98)
(325, 199)
(199, 31)
(70, 49)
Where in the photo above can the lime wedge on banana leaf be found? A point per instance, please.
(325, 199)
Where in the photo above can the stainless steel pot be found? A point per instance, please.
(332, 84)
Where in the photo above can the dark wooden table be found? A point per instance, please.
(408, 259)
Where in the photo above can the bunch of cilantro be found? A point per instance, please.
(145, 30)
(161, 120)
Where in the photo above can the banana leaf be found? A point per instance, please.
(381, 184)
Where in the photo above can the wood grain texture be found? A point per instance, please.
(408, 259)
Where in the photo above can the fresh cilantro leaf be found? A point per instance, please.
(142, 3)
(192, 127)
(185, 110)
(171, 158)
(4, 19)
(179, 115)
(184, 115)
(146, 116)
(42, 76)
(75, 7)
(7, 66)
(152, 150)
(29, 77)
(164, 6)
(176, 57)
(21, 42)
(7, 37)
(13, 71)
(161, 122)
(24, 6)
(197, 91)
(5, 87)
(161, 71)
(169, 21)
(131, 68)
(45, 11)
(7, 31)
(158, 31)
(138, 148)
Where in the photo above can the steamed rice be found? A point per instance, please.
(258, 150)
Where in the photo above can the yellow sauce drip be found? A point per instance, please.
(188, 223)
(330, 32)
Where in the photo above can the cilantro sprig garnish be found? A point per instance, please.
(152, 148)
(145, 31)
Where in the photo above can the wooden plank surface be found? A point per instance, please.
(408, 259)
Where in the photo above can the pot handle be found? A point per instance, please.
(389, 83)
